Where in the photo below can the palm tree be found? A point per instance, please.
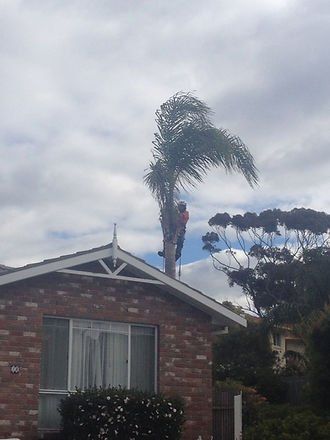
(186, 146)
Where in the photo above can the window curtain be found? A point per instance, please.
(99, 354)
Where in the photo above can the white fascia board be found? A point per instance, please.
(53, 266)
(186, 293)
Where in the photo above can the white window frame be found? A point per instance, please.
(43, 391)
(277, 339)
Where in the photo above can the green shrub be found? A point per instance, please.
(319, 360)
(119, 413)
(281, 422)
(245, 356)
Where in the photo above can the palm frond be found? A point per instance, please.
(187, 146)
(156, 180)
(235, 156)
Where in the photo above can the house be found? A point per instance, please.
(96, 318)
(288, 348)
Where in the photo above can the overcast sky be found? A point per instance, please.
(80, 83)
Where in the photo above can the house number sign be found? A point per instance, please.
(14, 369)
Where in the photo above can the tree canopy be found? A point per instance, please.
(281, 259)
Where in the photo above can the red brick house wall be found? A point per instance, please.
(184, 346)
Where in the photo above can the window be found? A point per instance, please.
(84, 354)
(277, 339)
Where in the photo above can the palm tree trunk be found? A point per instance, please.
(169, 248)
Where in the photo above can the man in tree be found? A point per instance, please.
(183, 218)
(179, 236)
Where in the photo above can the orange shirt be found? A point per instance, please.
(183, 218)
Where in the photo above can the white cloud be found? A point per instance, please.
(202, 276)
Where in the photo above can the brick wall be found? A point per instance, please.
(184, 342)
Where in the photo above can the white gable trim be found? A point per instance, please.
(176, 288)
(109, 276)
(53, 266)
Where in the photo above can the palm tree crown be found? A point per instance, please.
(186, 146)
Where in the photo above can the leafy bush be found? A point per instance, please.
(119, 413)
(245, 356)
(281, 422)
(319, 360)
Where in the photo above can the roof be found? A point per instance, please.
(4, 268)
(143, 271)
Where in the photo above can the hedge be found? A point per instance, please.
(282, 422)
(107, 414)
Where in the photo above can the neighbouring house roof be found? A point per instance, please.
(115, 262)
(4, 268)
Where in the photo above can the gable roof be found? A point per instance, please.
(143, 271)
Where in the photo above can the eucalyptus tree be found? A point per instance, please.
(186, 146)
(280, 259)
